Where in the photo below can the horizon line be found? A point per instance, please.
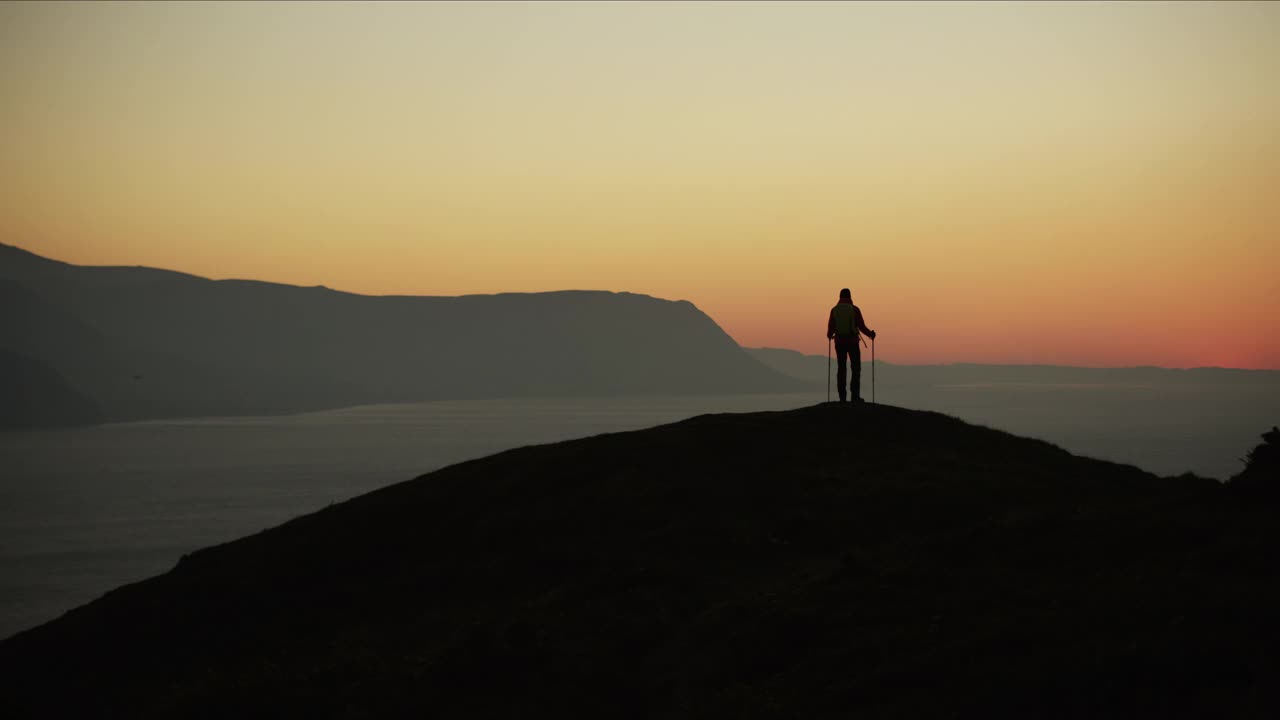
(627, 292)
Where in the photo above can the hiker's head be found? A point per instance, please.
(844, 294)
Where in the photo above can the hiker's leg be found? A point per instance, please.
(855, 381)
(841, 366)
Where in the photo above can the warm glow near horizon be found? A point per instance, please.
(1076, 183)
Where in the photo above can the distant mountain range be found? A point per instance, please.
(91, 344)
(813, 369)
(86, 344)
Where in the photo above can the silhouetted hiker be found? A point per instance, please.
(843, 325)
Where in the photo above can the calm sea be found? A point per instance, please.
(85, 510)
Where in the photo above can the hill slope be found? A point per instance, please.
(823, 562)
(144, 343)
(32, 395)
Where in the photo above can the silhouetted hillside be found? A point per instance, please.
(32, 395)
(824, 562)
(153, 343)
(810, 368)
(1261, 475)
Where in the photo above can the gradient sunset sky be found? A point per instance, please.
(1080, 183)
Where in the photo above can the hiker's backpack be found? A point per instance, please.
(846, 320)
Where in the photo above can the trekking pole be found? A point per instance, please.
(873, 371)
(828, 369)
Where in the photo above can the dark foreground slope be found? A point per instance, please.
(148, 343)
(823, 562)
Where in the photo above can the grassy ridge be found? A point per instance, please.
(822, 562)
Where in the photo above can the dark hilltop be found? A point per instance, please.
(826, 562)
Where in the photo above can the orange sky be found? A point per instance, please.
(1079, 183)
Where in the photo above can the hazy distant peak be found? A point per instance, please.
(13, 253)
(242, 346)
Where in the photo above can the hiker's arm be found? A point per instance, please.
(831, 324)
(863, 326)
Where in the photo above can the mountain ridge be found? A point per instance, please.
(15, 253)
(817, 562)
(171, 344)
